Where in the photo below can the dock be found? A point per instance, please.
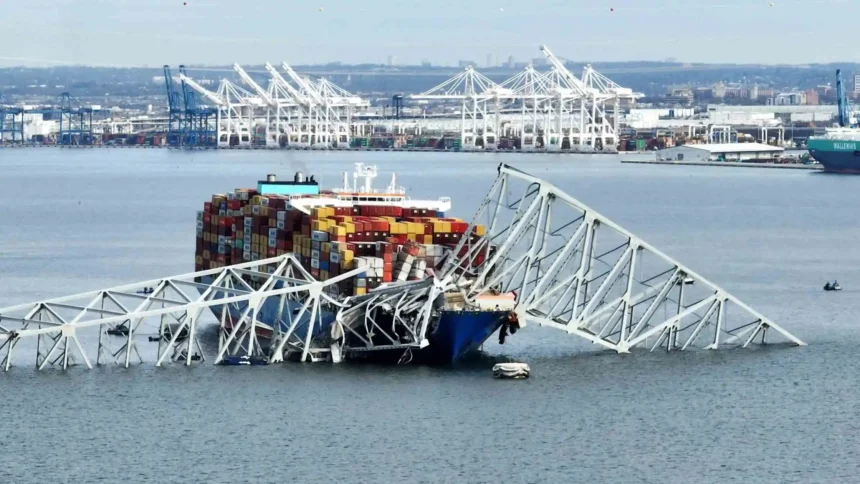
(729, 164)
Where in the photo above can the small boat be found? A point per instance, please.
(832, 287)
(514, 371)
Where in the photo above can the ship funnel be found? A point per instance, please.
(271, 178)
(299, 177)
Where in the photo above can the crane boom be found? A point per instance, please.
(253, 84)
(299, 98)
(302, 83)
(215, 98)
(575, 82)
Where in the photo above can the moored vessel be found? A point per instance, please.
(838, 150)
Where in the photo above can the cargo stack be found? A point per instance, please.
(392, 244)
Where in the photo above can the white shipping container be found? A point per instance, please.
(334, 257)
(282, 215)
(319, 236)
(200, 216)
(281, 225)
(273, 232)
(315, 264)
(315, 254)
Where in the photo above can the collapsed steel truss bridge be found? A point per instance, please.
(571, 268)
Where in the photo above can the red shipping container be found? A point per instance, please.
(282, 244)
(207, 207)
(386, 277)
(396, 211)
(272, 251)
(315, 273)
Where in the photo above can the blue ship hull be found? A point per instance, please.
(456, 334)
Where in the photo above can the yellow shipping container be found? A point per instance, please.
(325, 247)
(338, 230)
(442, 227)
(350, 227)
(480, 230)
(428, 239)
(360, 291)
(347, 218)
(346, 256)
(415, 227)
(323, 275)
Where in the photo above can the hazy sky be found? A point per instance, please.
(156, 32)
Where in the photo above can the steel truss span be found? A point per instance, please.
(575, 270)
(571, 269)
(60, 331)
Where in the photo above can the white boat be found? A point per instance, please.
(514, 371)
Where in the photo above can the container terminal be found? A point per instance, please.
(553, 110)
(288, 271)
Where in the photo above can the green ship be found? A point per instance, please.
(838, 150)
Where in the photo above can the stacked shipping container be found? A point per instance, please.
(391, 243)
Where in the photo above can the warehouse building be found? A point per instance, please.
(720, 152)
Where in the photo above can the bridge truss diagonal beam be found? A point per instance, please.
(575, 270)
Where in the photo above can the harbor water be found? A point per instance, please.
(74, 220)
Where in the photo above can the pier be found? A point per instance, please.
(729, 164)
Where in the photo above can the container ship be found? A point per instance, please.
(838, 150)
(397, 240)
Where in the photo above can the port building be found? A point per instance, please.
(720, 152)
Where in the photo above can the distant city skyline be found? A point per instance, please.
(220, 32)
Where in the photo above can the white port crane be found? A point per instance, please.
(474, 92)
(594, 125)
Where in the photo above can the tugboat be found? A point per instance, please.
(832, 287)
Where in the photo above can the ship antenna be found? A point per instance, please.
(345, 182)
(393, 186)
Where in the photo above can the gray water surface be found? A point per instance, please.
(74, 220)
